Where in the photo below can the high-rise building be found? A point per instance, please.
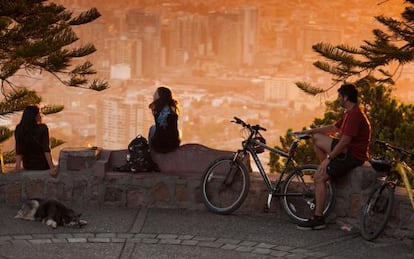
(184, 38)
(120, 119)
(249, 23)
(145, 29)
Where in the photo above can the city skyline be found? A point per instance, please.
(233, 61)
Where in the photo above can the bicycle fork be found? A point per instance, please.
(269, 201)
(272, 192)
(308, 195)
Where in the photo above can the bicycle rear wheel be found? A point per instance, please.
(377, 211)
(225, 185)
(298, 198)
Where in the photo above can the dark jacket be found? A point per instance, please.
(33, 148)
(166, 137)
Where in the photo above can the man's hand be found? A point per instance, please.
(322, 169)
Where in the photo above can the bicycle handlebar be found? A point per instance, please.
(256, 127)
(299, 135)
(387, 146)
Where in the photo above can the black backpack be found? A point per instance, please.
(139, 157)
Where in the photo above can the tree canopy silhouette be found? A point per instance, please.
(373, 59)
(36, 36)
(374, 67)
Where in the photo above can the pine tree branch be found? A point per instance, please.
(5, 134)
(309, 89)
(36, 35)
(82, 51)
(17, 101)
(86, 17)
(51, 109)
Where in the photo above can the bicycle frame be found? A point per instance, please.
(379, 206)
(404, 170)
(226, 181)
(400, 167)
(272, 188)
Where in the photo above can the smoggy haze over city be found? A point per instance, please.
(221, 58)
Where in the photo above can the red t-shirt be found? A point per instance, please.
(355, 124)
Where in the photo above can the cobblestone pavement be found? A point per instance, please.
(168, 233)
(237, 245)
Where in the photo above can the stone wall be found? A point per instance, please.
(87, 176)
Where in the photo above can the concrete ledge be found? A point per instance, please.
(86, 176)
(177, 185)
(352, 191)
(188, 160)
(76, 159)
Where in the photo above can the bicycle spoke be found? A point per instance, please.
(299, 195)
(300, 203)
(225, 186)
(376, 212)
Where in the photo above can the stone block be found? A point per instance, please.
(352, 190)
(197, 196)
(97, 192)
(35, 189)
(102, 165)
(341, 207)
(160, 193)
(57, 190)
(76, 159)
(2, 199)
(113, 194)
(181, 193)
(137, 198)
(13, 193)
(190, 160)
(355, 205)
(357, 180)
(80, 189)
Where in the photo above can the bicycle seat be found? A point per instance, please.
(382, 165)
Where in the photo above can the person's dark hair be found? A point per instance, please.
(165, 98)
(27, 126)
(28, 121)
(350, 91)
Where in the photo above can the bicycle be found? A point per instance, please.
(378, 207)
(226, 181)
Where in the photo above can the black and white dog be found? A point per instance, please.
(51, 212)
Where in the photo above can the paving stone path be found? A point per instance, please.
(130, 239)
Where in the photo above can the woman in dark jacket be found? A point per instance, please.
(32, 142)
(164, 136)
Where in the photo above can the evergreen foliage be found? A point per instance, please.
(37, 36)
(368, 67)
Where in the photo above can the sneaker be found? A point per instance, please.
(312, 224)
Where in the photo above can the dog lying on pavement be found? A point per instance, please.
(51, 212)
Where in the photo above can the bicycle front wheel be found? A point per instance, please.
(298, 198)
(225, 185)
(377, 211)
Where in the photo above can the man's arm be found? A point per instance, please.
(53, 170)
(18, 165)
(49, 160)
(322, 130)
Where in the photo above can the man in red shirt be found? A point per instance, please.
(338, 155)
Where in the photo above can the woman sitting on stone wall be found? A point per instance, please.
(32, 143)
(164, 136)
